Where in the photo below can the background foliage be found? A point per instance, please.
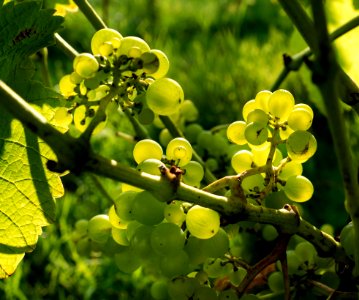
(222, 52)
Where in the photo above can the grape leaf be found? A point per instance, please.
(27, 188)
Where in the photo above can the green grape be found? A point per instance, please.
(204, 293)
(189, 111)
(167, 238)
(97, 94)
(255, 133)
(301, 145)
(228, 295)
(306, 252)
(164, 96)
(300, 119)
(242, 161)
(216, 268)
(62, 117)
(193, 173)
(147, 209)
(127, 261)
(202, 222)
(75, 78)
(141, 242)
(202, 277)
(237, 276)
(253, 183)
(347, 239)
(235, 132)
(174, 264)
(165, 137)
(179, 150)
(163, 64)
(216, 246)
(83, 246)
(86, 65)
(99, 228)
(151, 166)
(146, 116)
(195, 249)
(262, 99)
(212, 164)
(81, 226)
(150, 62)
(131, 229)
(276, 282)
(327, 228)
(269, 232)
(182, 288)
(330, 279)
(290, 169)
(293, 262)
(192, 131)
(67, 87)
(174, 213)
(258, 116)
(305, 107)
(124, 205)
(115, 220)
(217, 147)
(159, 289)
(298, 188)
(280, 105)
(101, 38)
(83, 117)
(145, 149)
(120, 236)
(132, 46)
(260, 155)
(248, 107)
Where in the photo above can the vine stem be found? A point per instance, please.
(75, 155)
(65, 46)
(91, 14)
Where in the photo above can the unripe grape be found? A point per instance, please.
(150, 166)
(280, 105)
(291, 168)
(242, 161)
(102, 37)
(258, 116)
(235, 132)
(193, 173)
(67, 87)
(86, 65)
(298, 188)
(347, 238)
(159, 290)
(248, 107)
(120, 236)
(132, 46)
(99, 228)
(155, 63)
(189, 111)
(147, 209)
(300, 119)
(146, 116)
(180, 151)
(262, 99)
(174, 213)
(145, 149)
(204, 293)
(256, 133)
(167, 238)
(115, 220)
(253, 183)
(276, 282)
(126, 261)
(301, 145)
(202, 222)
(174, 264)
(164, 96)
(124, 205)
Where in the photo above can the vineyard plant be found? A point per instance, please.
(179, 149)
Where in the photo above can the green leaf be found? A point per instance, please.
(24, 29)
(27, 192)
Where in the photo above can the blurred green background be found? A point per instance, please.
(222, 52)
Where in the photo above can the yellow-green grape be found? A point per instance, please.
(300, 119)
(298, 188)
(124, 205)
(167, 238)
(256, 133)
(147, 209)
(235, 132)
(174, 264)
(132, 46)
(164, 96)
(163, 64)
(305, 107)
(146, 149)
(193, 173)
(189, 111)
(258, 116)
(280, 105)
(285, 132)
(120, 236)
(301, 145)
(174, 213)
(202, 222)
(67, 87)
(276, 282)
(146, 116)
(75, 78)
(180, 151)
(84, 116)
(248, 107)
(347, 238)
(159, 289)
(253, 183)
(99, 228)
(98, 93)
(86, 65)
(165, 136)
(62, 117)
(261, 100)
(115, 220)
(291, 168)
(242, 161)
(150, 166)
(150, 62)
(103, 37)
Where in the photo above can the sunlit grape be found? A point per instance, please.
(145, 149)
(301, 145)
(235, 132)
(202, 222)
(180, 151)
(86, 65)
(103, 36)
(242, 161)
(298, 188)
(280, 104)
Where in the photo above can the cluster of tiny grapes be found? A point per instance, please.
(123, 70)
(270, 121)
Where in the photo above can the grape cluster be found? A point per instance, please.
(272, 120)
(120, 70)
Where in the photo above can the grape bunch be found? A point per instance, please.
(121, 70)
(273, 120)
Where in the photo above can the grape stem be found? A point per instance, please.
(76, 155)
(65, 47)
(91, 14)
